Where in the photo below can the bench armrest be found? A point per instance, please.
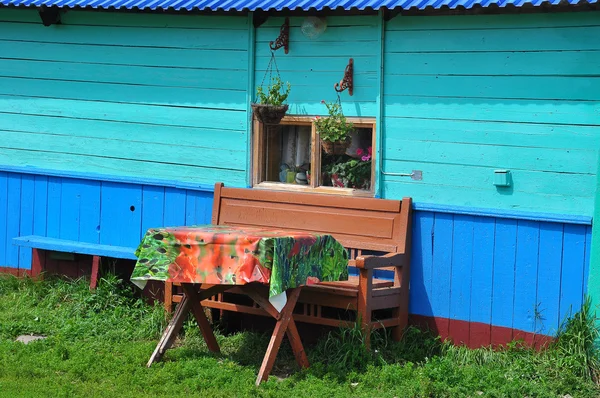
(388, 260)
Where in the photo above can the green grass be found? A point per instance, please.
(98, 345)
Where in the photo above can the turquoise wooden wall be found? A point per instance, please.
(313, 66)
(125, 94)
(464, 95)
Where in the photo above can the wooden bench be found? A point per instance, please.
(361, 224)
(42, 244)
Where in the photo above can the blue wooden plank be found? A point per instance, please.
(421, 264)
(70, 246)
(40, 205)
(174, 207)
(190, 209)
(548, 292)
(587, 263)
(54, 199)
(442, 264)
(69, 209)
(503, 288)
(89, 211)
(121, 215)
(26, 223)
(198, 208)
(482, 270)
(153, 207)
(13, 217)
(526, 265)
(4, 239)
(462, 263)
(572, 270)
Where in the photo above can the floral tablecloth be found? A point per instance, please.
(221, 254)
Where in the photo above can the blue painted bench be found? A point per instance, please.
(95, 250)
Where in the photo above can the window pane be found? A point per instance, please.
(287, 153)
(351, 169)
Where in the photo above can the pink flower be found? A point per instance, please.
(359, 151)
(322, 101)
(365, 158)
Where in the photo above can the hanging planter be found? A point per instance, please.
(334, 130)
(269, 114)
(269, 107)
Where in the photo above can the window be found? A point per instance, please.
(290, 156)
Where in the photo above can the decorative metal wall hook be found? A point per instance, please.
(283, 40)
(347, 81)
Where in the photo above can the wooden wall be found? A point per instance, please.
(465, 95)
(125, 94)
(110, 213)
(313, 66)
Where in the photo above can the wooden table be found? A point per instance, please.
(191, 301)
(208, 260)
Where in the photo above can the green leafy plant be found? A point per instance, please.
(276, 94)
(335, 127)
(353, 173)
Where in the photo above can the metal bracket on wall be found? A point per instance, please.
(347, 81)
(50, 15)
(416, 175)
(283, 40)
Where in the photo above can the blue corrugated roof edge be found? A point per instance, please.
(285, 5)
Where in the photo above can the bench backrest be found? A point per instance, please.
(357, 223)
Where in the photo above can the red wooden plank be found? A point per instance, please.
(459, 332)
(480, 335)
(501, 335)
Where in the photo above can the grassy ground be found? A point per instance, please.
(98, 345)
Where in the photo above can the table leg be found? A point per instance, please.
(171, 331)
(280, 329)
(198, 311)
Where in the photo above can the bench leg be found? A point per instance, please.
(365, 289)
(38, 262)
(95, 271)
(277, 337)
(171, 331)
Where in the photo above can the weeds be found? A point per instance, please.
(98, 344)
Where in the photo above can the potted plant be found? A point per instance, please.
(353, 173)
(270, 108)
(334, 130)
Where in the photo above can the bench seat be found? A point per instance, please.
(96, 250)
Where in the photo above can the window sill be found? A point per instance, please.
(277, 186)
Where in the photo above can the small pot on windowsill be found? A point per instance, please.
(269, 114)
(336, 147)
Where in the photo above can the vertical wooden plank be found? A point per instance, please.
(69, 209)
(549, 276)
(26, 222)
(460, 280)
(442, 266)
(586, 262)
(190, 208)
(89, 211)
(421, 264)
(40, 206)
(481, 287)
(13, 218)
(572, 270)
(4, 240)
(174, 207)
(54, 199)
(503, 287)
(526, 266)
(153, 207)
(120, 218)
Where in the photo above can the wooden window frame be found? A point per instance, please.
(258, 165)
